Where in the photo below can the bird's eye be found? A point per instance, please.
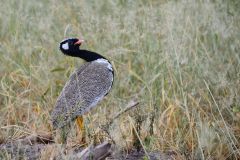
(71, 42)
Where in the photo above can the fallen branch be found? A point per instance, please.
(106, 126)
(101, 151)
(130, 105)
(36, 139)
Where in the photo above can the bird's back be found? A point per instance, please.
(85, 88)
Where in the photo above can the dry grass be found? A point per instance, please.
(179, 59)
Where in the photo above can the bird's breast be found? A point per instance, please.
(106, 62)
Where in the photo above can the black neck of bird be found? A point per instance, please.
(86, 55)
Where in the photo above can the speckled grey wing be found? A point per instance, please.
(85, 88)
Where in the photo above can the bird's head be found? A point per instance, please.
(69, 46)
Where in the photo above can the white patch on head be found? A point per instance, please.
(65, 46)
(102, 60)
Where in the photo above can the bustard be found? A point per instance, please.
(84, 89)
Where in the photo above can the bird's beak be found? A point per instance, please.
(80, 41)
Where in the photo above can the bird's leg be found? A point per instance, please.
(81, 127)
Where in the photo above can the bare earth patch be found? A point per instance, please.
(39, 147)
